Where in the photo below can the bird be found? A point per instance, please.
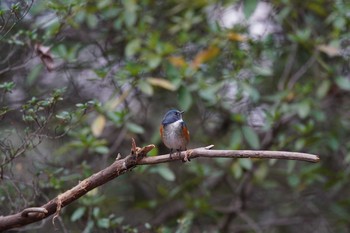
(174, 132)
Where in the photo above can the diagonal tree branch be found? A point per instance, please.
(121, 166)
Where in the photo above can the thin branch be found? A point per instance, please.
(121, 166)
(253, 225)
(9, 68)
(270, 223)
(288, 66)
(18, 19)
(256, 154)
(8, 55)
(301, 71)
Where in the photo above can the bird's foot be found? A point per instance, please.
(187, 157)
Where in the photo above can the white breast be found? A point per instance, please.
(172, 136)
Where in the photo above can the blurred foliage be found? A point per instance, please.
(79, 79)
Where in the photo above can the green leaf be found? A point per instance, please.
(252, 92)
(153, 152)
(103, 223)
(343, 83)
(293, 180)
(303, 109)
(96, 212)
(290, 166)
(145, 87)
(130, 19)
(263, 71)
(63, 115)
(92, 20)
(78, 213)
(323, 89)
(101, 149)
(117, 221)
(89, 227)
(246, 163)
(185, 223)
(135, 128)
(148, 226)
(340, 210)
(34, 74)
(103, 3)
(132, 48)
(166, 173)
(340, 22)
(261, 172)
(301, 35)
(251, 137)
(153, 60)
(7, 86)
(130, 15)
(236, 169)
(184, 98)
(249, 7)
(62, 50)
(236, 140)
(209, 93)
(300, 144)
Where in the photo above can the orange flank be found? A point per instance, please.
(161, 131)
(186, 133)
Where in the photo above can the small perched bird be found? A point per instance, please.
(174, 132)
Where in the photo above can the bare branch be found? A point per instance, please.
(121, 166)
(257, 154)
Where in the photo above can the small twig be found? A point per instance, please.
(254, 226)
(288, 67)
(301, 71)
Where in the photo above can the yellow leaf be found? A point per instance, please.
(160, 82)
(177, 61)
(98, 125)
(331, 51)
(204, 56)
(236, 37)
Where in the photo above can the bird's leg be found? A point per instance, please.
(171, 153)
(178, 153)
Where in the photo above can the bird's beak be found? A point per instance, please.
(182, 112)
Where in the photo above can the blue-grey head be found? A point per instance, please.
(172, 116)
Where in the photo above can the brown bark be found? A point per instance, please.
(119, 167)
